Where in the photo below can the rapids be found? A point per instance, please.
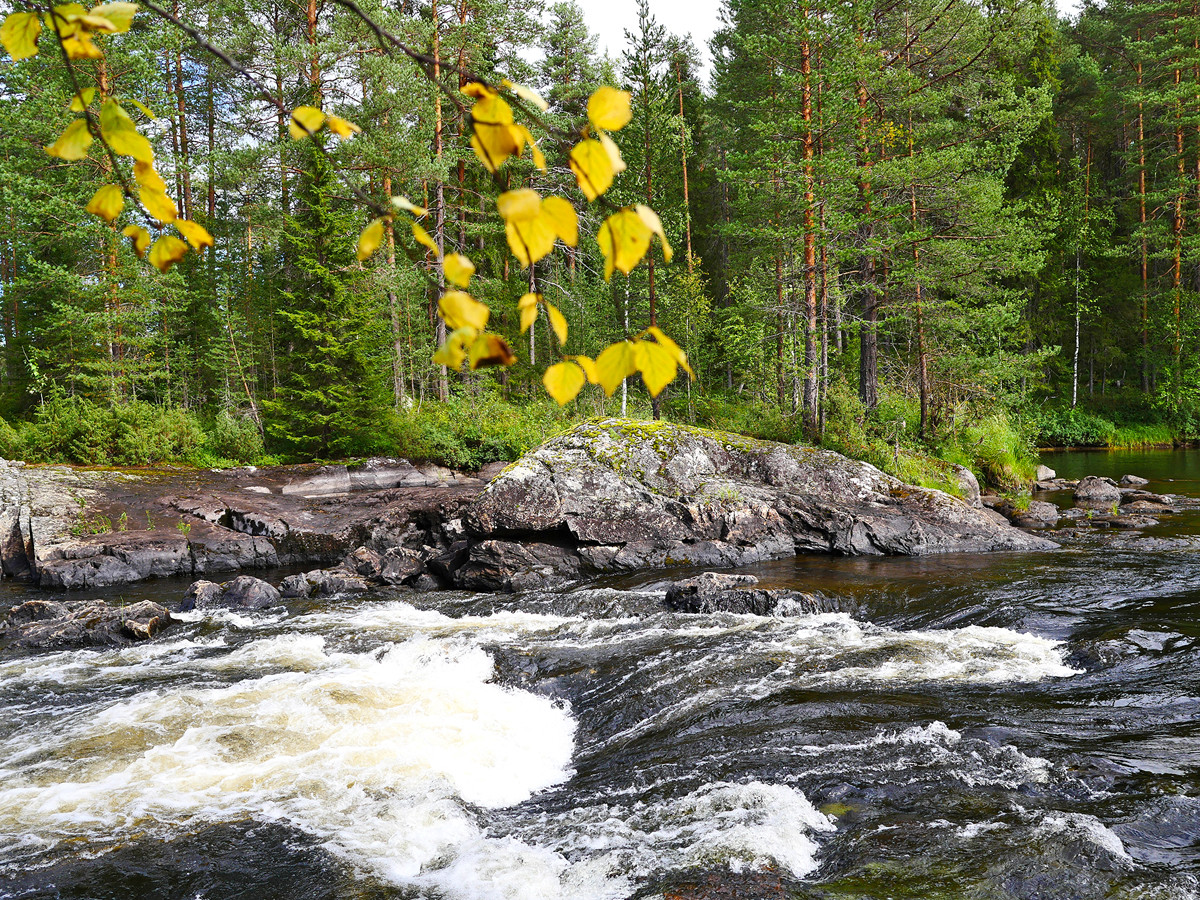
(1006, 726)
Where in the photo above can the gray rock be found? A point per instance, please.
(48, 624)
(1039, 515)
(365, 562)
(248, 592)
(1047, 486)
(1095, 492)
(624, 495)
(968, 484)
(401, 565)
(201, 595)
(295, 586)
(1133, 495)
(1145, 506)
(426, 582)
(1045, 473)
(1133, 481)
(713, 592)
(510, 566)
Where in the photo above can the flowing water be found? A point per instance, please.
(1006, 726)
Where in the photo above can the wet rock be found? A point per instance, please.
(624, 495)
(365, 562)
(400, 565)
(1133, 495)
(713, 592)
(201, 595)
(1039, 515)
(1045, 473)
(248, 592)
(295, 586)
(510, 566)
(728, 885)
(1133, 481)
(324, 583)
(1095, 492)
(46, 624)
(426, 582)
(1047, 486)
(968, 485)
(91, 572)
(1142, 507)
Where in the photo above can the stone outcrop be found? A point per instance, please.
(48, 624)
(712, 592)
(73, 529)
(618, 495)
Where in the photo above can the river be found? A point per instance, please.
(1004, 726)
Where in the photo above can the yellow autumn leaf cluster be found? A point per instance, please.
(74, 25)
(495, 135)
(528, 308)
(625, 237)
(467, 341)
(532, 224)
(308, 120)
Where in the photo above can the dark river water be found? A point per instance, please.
(1005, 726)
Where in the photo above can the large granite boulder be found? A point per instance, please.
(615, 495)
(49, 624)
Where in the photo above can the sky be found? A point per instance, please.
(609, 18)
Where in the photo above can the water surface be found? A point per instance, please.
(1004, 726)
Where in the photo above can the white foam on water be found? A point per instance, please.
(380, 755)
(1089, 828)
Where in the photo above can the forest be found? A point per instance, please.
(916, 231)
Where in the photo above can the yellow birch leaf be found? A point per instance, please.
(592, 167)
(73, 143)
(19, 34)
(83, 99)
(80, 46)
(654, 223)
(589, 367)
(341, 127)
(493, 144)
(674, 348)
(139, 237)
(122, 135)
(558, 322)
(64, 19)
(614, 153)
(423, 237)
(624, 239)
(158, 205)
(614, 365)
(369, 240)
(563, 219)
(563, 382)
(539, 158)
(476, 89)
(523, 205)
(305, 120)
(458, 269)
(461, 310)
(528, 301)
(528, 316)
(145, 175)
(453, 353)
(530, 241)
(526, 93)
(656, 364)
(92, 22)
(107, 202)
(491, 109)
(197, 235)
(167, 251)
(489, 350)
(408, 206)
(146, 111)
(119, 14)
(609, 109)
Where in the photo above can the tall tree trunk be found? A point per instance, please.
(1142, 231)
(868, 361)
(443, 383)
(683, 165)
(811, 403)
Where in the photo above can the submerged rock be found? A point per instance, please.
(620, 495)
(47, 624)
(1133, 481)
